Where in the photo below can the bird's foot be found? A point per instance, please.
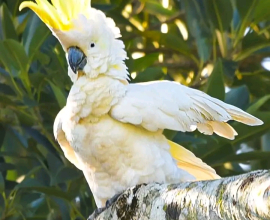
(98, 211)
(110, 201)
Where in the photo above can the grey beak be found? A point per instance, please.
(76, 58)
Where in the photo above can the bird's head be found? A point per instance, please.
(87, 36)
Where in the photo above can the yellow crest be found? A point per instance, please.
(60, 13)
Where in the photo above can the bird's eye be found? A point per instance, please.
(92, 45)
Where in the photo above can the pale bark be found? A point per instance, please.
(240, 197)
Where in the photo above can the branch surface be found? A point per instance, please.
(244, 197)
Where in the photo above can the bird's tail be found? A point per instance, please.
(187, 161)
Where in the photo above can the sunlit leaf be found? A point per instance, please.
(143, 62)
(154, 7)
(171, 41)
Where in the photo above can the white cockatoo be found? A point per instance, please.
(112, 130)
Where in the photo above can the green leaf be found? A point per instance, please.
(251, 43)
(17, 53)
(220, 13)
(34, 36)
(169, 134)
(204, 46)
(185, 139)
(2, 183)
(13, 6)
(13, 56)
(2, 201)
(255, 106)
(266, 142)
(244, 157)
(246, 12)
(170, 40)
(262, 11)
(142, 63)
(14, 155)
(197, 23)
(6, 166)
(49, 191)
(217, 155)
(149, 74)
(215, 85)
(245, 8)
(198, 27)
(7, 90)
(154, 7)
(54, 164)
(59, 95)
(34, 185)
(245, 53)
(67, 174)
(238, 97)
(37, 218)
(258, 83)
(2, 134)
(8, 28)
(229, 69)
(28, 183)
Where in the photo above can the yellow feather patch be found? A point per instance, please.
(187, 161)
(60, 14)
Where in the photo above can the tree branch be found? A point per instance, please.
(245, 196)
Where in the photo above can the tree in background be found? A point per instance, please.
(221, 47)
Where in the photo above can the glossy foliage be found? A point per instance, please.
(215, 46)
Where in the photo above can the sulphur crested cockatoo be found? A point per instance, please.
(112, 130)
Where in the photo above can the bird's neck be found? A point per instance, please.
(91, 98)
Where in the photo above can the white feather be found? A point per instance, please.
(169, 105)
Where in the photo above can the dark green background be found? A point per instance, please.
(37, 182)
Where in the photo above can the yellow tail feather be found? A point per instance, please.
(187, 161)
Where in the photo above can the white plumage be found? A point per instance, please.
(177, 107)
(112, 130)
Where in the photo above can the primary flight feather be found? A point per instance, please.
(112, 130)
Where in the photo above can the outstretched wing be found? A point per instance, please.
(60, 136)
(170, 105)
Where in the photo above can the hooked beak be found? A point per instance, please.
(76, 58)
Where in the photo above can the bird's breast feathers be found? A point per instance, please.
(114, 156)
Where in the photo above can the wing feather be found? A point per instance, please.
(60, 136)
(169, 105)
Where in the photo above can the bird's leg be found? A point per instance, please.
(98, 211)
(110, 201)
